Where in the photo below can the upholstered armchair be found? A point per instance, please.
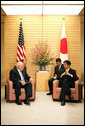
(76, 92)
(10, 92)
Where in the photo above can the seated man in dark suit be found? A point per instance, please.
(59, 69)
(20, 80)
(68, 81)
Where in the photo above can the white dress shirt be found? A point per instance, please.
(60, 66)
(21, 75)
(68, 69)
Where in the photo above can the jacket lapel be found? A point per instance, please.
(61, 67)
(70, 71)
(17, 73)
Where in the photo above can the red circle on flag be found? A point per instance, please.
(63, 46)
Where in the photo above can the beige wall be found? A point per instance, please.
(2, 48)
(32, 28)
(82, 49)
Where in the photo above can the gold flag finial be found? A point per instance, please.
(63, 20)
(20, 19)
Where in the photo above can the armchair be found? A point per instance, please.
(76, 92)
(10, 92)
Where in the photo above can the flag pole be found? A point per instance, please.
(42, 21)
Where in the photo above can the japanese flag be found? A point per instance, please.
(63, 46)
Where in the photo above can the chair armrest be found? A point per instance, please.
(33, 88)
(76, 83)
(9, 88)
(10, 84)
(76, 89)
(79, 81)
(55, 85)
(33, 85)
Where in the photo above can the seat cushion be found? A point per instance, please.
(58, 90)
(22, 90)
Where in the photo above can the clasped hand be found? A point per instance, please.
(66, 73)
(23, 83)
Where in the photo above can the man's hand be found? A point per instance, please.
(23, 83)
(63, 74)
(67, 73)
(55, 75)
(31, 80)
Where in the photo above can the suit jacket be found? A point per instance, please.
(15, 77)
(69, 78)
(59, 72)
(25, 69)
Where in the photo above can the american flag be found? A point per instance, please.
(21, 54)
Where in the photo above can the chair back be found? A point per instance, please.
(79, 78)
(8, 80)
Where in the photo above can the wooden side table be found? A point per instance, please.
(42, 78)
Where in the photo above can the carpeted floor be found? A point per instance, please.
(41, 112)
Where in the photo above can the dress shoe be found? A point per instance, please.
(62, 103)
(70, 97)
(18, 102)
(27, 102)
(50, 93)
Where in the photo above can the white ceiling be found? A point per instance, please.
(40, 2)
(50, 7)
(21, 2)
